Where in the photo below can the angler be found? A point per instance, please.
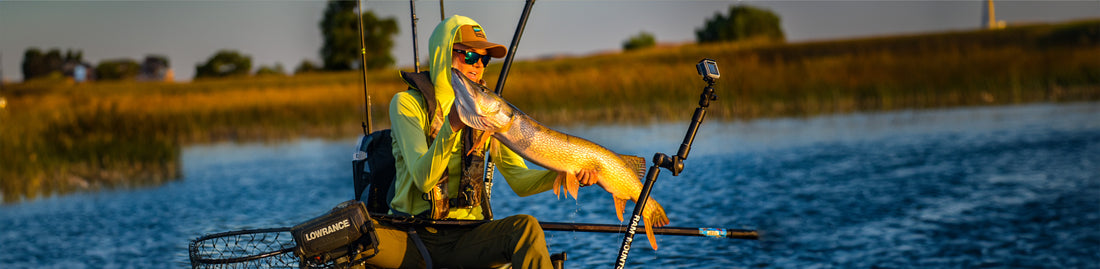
(426, 183)
(617, 174)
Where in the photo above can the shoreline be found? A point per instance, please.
(56, 130)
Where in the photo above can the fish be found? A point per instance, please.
(619, 175)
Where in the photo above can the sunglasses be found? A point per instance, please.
(471, 57)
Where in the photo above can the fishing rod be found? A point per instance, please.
(685, 231)
(416, 55)
(584, 227)
(709, 70)
(368, 122)
(512, 48)
(490, 168)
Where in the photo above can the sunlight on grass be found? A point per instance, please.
(59, 136)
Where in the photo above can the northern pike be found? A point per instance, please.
(618, 174)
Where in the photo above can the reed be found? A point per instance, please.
(60, 136)
(1035, 63)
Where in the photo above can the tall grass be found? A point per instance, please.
(1016, 65)
(58, 136)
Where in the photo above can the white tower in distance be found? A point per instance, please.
(989, 17)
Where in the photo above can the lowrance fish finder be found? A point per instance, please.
(708, 68)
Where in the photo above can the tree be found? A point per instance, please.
(154, 68)
(640, 41)
(743, 22)
(277, 70)
(118, 69)
(37, 64)
(223, 64)
(306, 66)
(340, 34)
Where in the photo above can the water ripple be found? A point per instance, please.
(1013, 187)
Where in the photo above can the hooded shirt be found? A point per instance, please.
(419, 166)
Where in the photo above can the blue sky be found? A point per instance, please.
(286, 31)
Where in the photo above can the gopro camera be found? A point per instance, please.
(708, 68)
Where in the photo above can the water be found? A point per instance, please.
(1010, 187)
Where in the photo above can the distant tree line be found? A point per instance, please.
(341, 49)
(640, 41)
(340, 34)
(743, 22)
(339, 52)
(54, 64)
(37, 64)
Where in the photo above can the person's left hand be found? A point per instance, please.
(587, 177)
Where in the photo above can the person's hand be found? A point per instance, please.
(587, 177)
(456, 122)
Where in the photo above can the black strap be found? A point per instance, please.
(420, 247)
(406, 220)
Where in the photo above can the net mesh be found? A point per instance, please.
(260, 248)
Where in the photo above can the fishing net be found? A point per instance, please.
(259, 248)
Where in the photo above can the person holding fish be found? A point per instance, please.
(439, 174)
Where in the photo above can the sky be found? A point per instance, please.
(286, 32)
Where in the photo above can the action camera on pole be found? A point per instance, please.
(708, 69)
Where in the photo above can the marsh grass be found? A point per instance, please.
(59, 136)
(1024, 64)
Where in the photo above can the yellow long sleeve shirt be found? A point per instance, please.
(420, 166)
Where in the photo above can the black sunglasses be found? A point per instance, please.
(471, 57)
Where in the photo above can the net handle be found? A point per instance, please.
(242, 259)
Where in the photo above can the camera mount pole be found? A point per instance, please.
(674, 164)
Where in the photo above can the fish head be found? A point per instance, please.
(478, 107)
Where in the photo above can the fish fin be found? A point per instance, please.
(572, 184)
(656, 213)
(557, 184)
(649, 233)
(655, 218)
(620, 204)
(636, 163)
(479, 142)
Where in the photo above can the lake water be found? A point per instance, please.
(1008, 187)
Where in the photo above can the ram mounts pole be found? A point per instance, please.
(675, 164)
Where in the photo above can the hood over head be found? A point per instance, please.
(456, 29)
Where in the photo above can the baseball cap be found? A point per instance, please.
(472, 35)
